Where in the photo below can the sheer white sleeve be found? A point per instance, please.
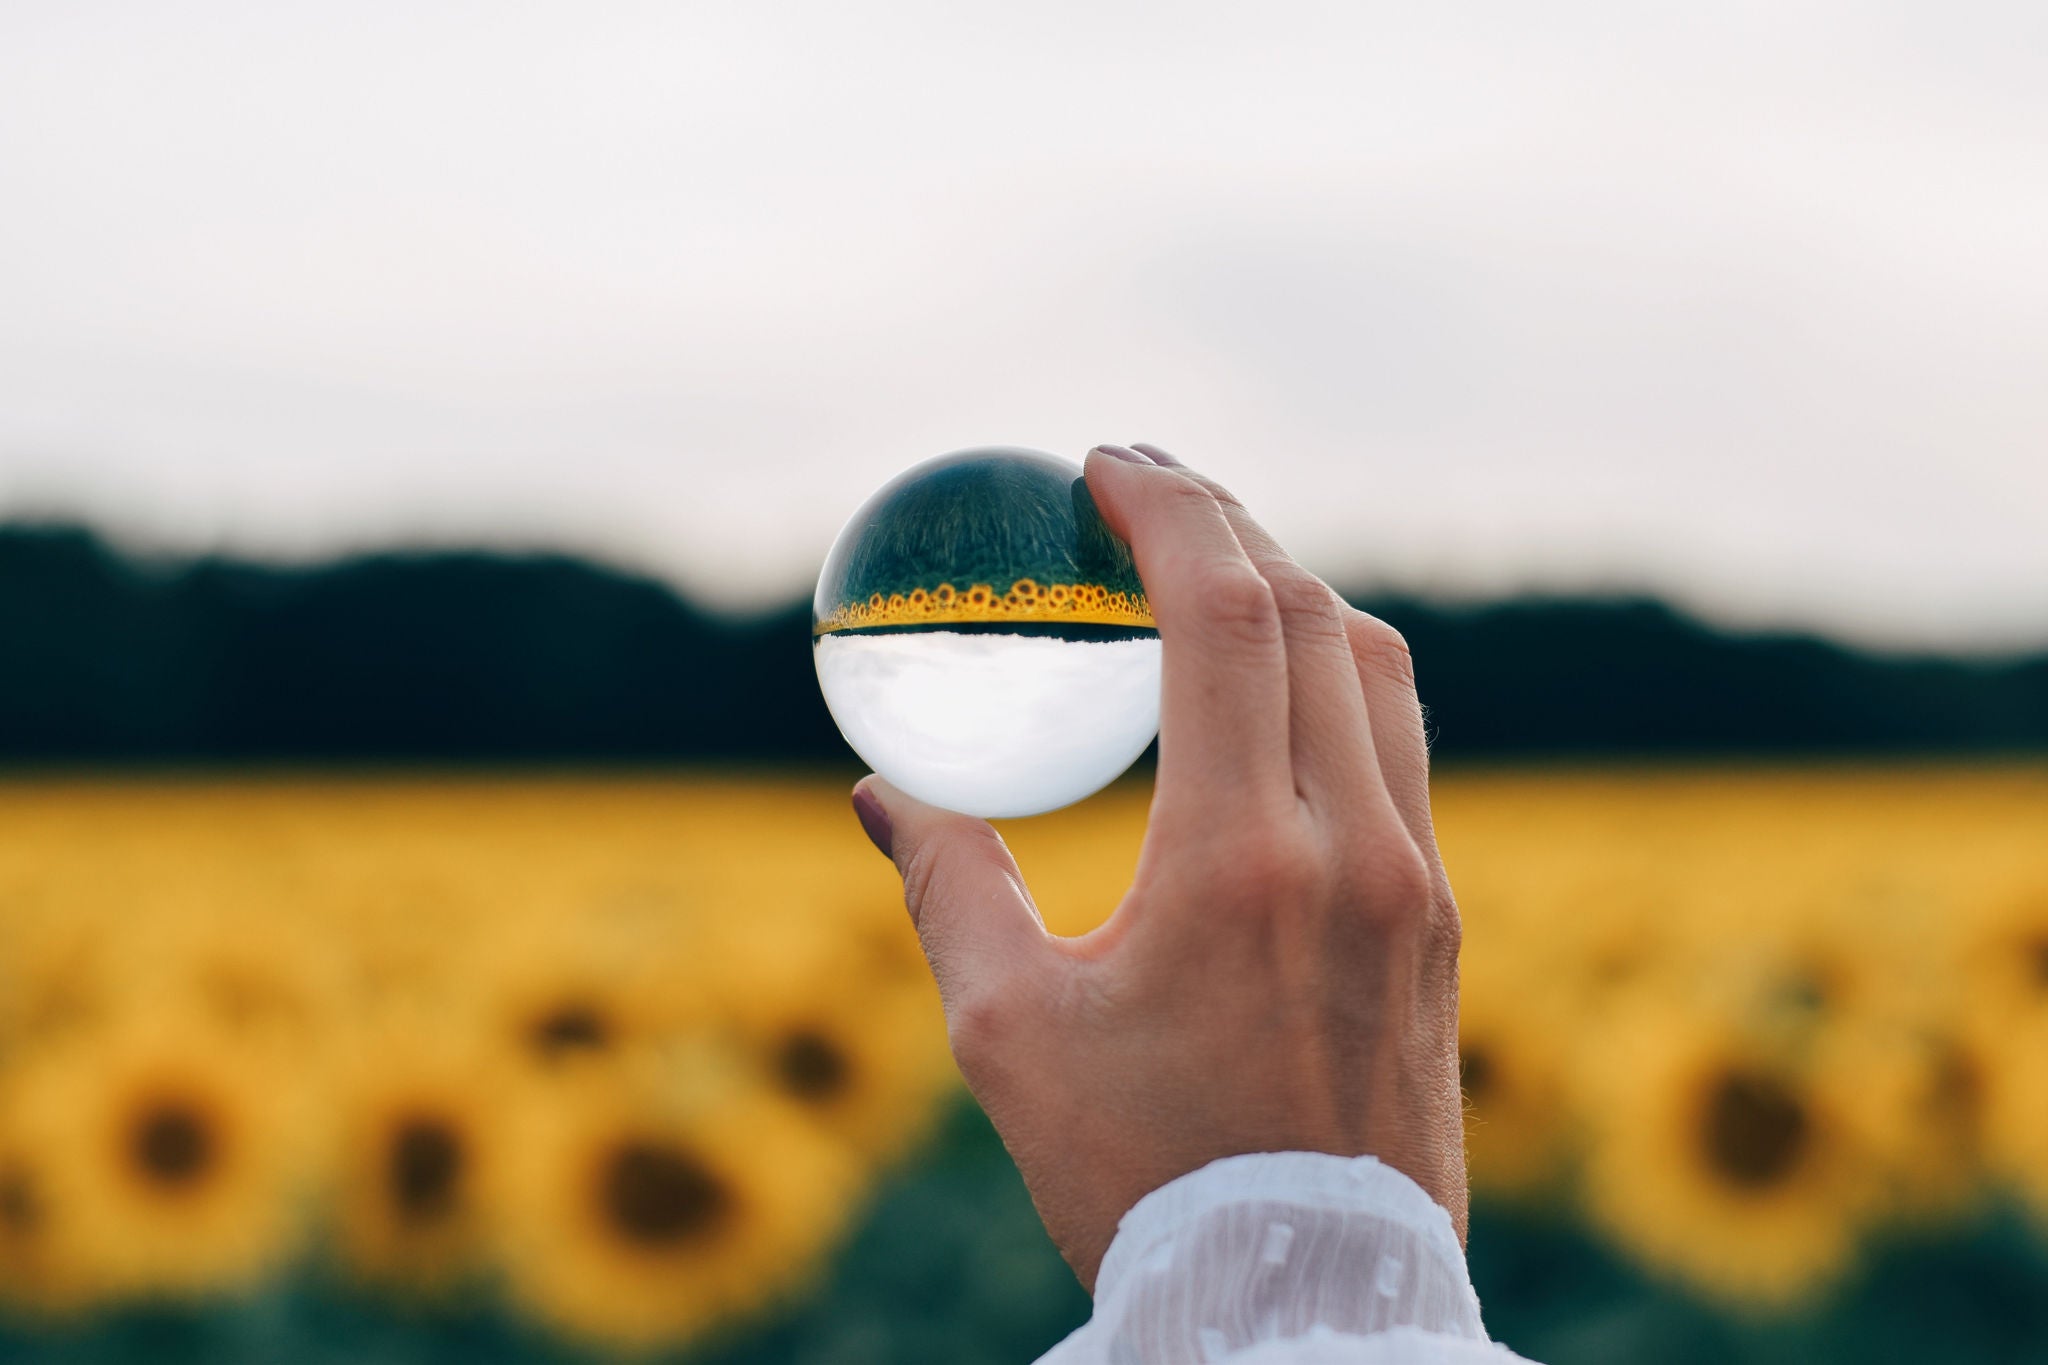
(1285, 1258)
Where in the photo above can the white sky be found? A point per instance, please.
(1744, 304)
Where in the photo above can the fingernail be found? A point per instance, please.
(1124, 453)
(1157, 456)
(874, 820)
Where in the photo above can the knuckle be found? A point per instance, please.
(1379, 646)
(1190, 493)
(1404, 879)
(977, 1020)
(1395, 878)
(1223, 496)
(1305, 599)
(1274, 869)
(1239, 602)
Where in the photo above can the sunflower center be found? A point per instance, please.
(20, 1211)
(425, 1169)
(172, 1144)
(1958, 1093)
(1810, 990)
(2037, 952)
(1616, 964)
(1475, 1070)
(812, 1066)
(657, 1196)
(1756, 1130)
(574, 1026)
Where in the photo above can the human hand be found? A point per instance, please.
(1282, 974)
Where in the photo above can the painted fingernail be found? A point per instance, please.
(1157, 456)
(874, 820)
(1124, 453)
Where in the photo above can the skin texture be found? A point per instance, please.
(1282, 974)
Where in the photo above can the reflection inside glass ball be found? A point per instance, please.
(982, 639)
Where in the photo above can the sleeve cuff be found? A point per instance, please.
(1371, 1245)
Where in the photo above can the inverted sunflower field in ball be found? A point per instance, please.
(982, 638)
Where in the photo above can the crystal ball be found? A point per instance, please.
(982, 638)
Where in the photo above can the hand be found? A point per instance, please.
(1282, 974)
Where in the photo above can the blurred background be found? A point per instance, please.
(431, 926)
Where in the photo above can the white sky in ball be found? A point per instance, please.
(990, 724)
(1746, 305)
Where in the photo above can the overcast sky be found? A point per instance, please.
(1742, 304)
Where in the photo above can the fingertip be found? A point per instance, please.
(901, 805)
(872, 812)
(1112, 487)
(1156, 455)
(1123, 453)
(911, 821)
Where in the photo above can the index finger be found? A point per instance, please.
(1223, 693)
(1386, 674)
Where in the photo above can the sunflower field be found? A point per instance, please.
(559, 1067)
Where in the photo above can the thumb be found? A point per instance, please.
(966, 898)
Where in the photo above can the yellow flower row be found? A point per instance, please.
(634, 1046)
(612, 1049)
(1024, 600)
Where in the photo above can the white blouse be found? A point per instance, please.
(1284, 1258)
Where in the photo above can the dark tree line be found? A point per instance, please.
(478, 657)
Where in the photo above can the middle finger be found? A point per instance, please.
(1330, 738)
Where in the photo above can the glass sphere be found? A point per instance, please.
(982, 638)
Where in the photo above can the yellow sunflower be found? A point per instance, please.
(412, 933)
(1606, 938)
(840, 1028)
(41, 1271)
(1512, 1051)
(881, 943)
(1811, 956)
(1736, 1164)
(252, 969)
(176, 1158)
(2013, 1083)
(421, 1119)
(1991, 956)
(1831, 980)
(634, 1219)
(56, 977)
(1912, 1097)
(554, 995)
(2000, 947)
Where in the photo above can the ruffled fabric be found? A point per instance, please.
(1284, 1258)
